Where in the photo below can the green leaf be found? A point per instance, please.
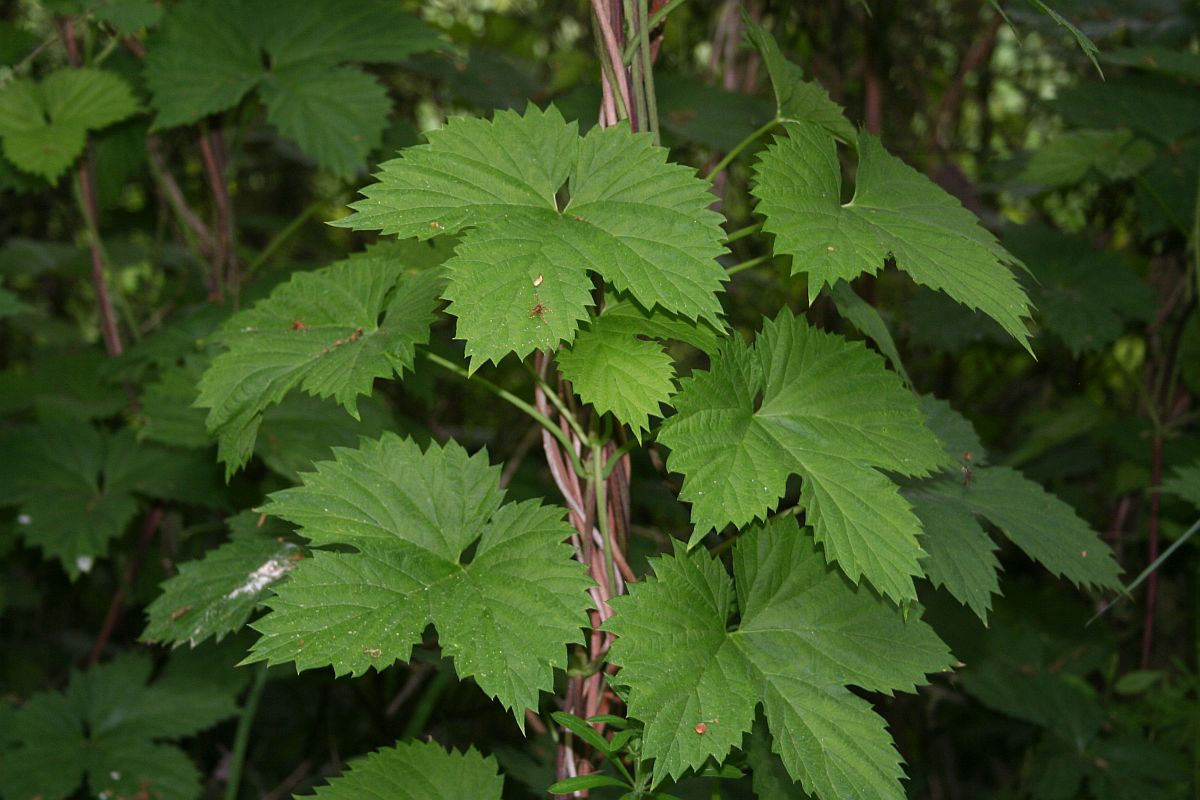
(332, 32)
(505, 616)
(302, 430)
(202, 60)
(897, 215)
(1069, 157)
(959, 554)
(1185, 482)
(1083, 296)
(1155, 106)
(105, 727)
(11, 305)
(1085, 44)
(694, 111)
(521, 278)
(129, 16)
(335, 114)
(623, 314)
(44, 126)
(417, 771)
(619, 373)
(15, 43)
(330, 332)
(770, 777)
(804, 402)
(215, 595)
(1156, 58)
(869, 322)
(572, 785)
(804, 635)
(796, 99)
(1046, 528)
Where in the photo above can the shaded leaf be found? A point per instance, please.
(417, 771)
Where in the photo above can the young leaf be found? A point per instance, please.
(897, 215)
(804, 635)
(505, 616)
(619, 373)
(797, 100)
(804, 402)
(1185, 482)
(321, 332)
(417, 771)
(521, 279)
(44, 126)
(215, 595)
(107, 727)
(1069, 157)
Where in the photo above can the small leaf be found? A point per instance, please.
(583, 730)
(619, 373)
(582, 782)
(417, 771)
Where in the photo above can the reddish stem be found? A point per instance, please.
(149, 528)
(108, 317)
(216, 183)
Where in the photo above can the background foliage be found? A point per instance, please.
(949, 262)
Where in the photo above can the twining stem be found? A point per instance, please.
(740, 146)
(559, 405)
(640, 118)
(613, 50)
(647, 68)
(600, 487)
(241, 739)
(511, 398)
(652, 23)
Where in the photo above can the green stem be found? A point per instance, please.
(509, 397)
(241, 739)
(1127, 591)
(557, 402)
(648, 68)
(600, 489)
(656, 18)
(429, 700)
(742, 233)
(635, 70)
(740, 146)
(281, 238)
(745, 265)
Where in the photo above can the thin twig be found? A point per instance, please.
(149, 528)
(740, 146)
(241, 739)
(613, 51)
(1152, 553)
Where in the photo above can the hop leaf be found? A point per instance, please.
(896, 214)
(321, 332)
(44, 125)
(521, 279)
(215, 595)
(505, 616)
(418, 771)
(803, 402)
(960, 553)
(619, 373)
(76, 487)
(108, 727)
(804, 635)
